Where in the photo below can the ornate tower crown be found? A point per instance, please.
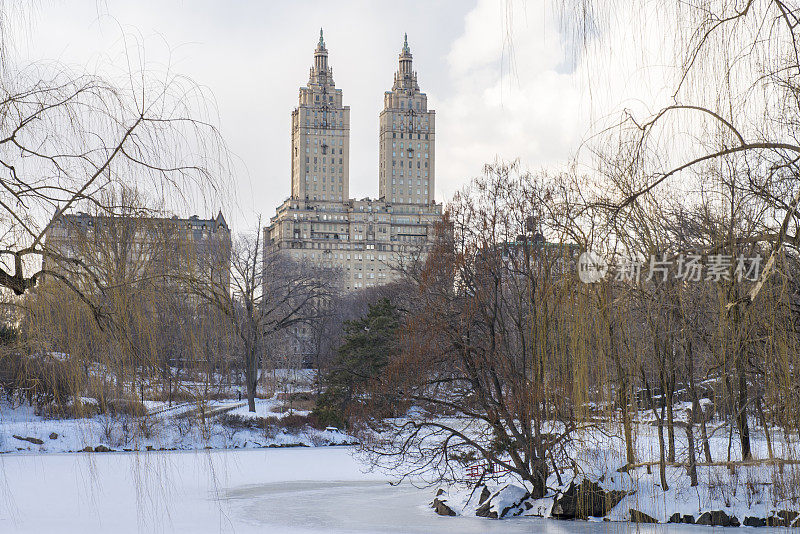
(320, 73)
(405, 78)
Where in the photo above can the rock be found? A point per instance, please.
(485, 494)
(584, 500)
(776, 521)
(678, 518)
(441, 507)
(35, 441)
(87, 448)
(505, 502)
(53, 435)
(640, 517)
(150, 448)
(439, 492)
(102, 448)
(717, 518)
(788, 515)
(755, 522)
(485, 510)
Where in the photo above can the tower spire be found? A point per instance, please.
(406, 71)
(320, 72)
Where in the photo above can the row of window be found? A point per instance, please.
(410, 182)
(410, 192)
(402, 199)
(306, 113)
(410, 145)
(419, 155)
(324, 169)
(323, 123)
(402, 165)
(411, 105)
(394, 173)
(410, 136)
(333, 160)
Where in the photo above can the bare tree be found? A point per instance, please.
(268, 293)
(485, 361)
(66, 137)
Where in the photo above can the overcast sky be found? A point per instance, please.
(494, 97)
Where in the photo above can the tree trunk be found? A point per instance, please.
(539, 476)
(696, 408)
(704, 437)
(251, 378)
(662, 464)
(662, 468)
(624, 389)
(767, 435)
(692, 454)
(741, 412)
(740, 403)
(630, 458)
(670, 427)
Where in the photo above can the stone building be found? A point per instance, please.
(130, 249)
(407, 139)
(365, 239)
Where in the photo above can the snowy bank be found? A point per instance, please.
(757, 494)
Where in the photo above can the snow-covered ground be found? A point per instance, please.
(167, 428)
(320, 489)
(273, 491)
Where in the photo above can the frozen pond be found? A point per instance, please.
(376, 507)
(282, 491)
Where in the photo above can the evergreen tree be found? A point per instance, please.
(369, 342)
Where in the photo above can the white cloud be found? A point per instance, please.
(510, 99)
(499, 80)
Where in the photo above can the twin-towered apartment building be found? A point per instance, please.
(319, 222)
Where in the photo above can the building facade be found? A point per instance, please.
(115, 250)
(366, 240)
(321, 136)
(407, 139)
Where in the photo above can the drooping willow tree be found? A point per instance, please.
(68, 137)
(726, 142)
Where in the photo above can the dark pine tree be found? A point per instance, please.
(368, 344)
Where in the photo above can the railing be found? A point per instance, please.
(485, 469)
